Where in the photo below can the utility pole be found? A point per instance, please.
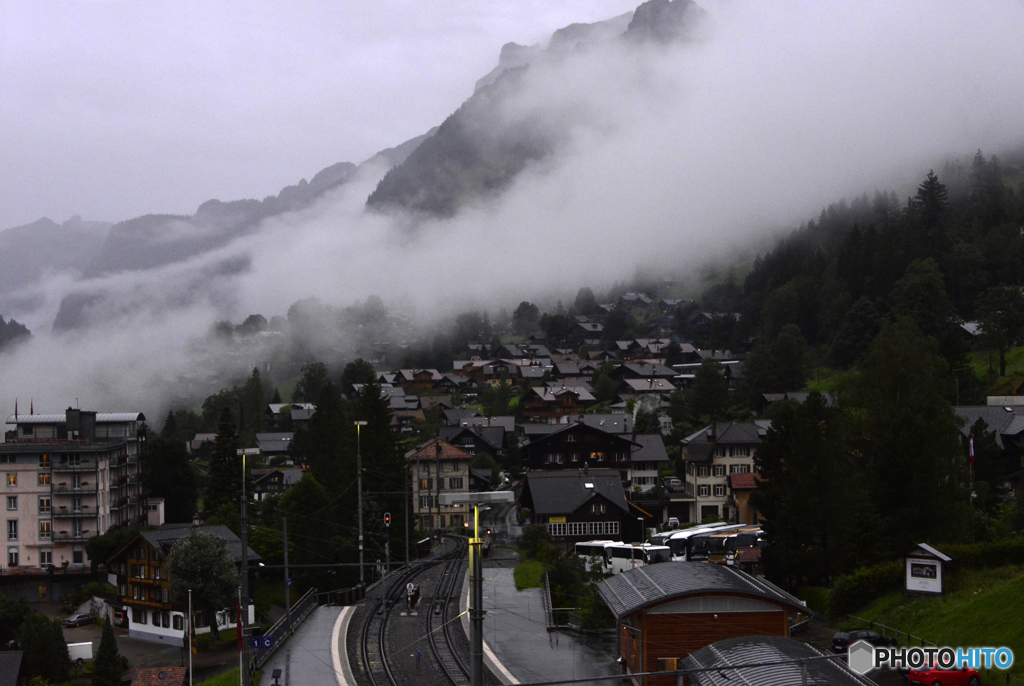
(408, 496)
(287, 580)
(437, 486)
(243, 614)
(359, 487)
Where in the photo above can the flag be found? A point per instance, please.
(238, 625)
(15, 409)
(31, 406)
(970, 440)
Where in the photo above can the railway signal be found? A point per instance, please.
(387, 519)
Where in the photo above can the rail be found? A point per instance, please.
(285, 627)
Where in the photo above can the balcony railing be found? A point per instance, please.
(71, 536)
(63, 488)
(83, 466)
(67, 513)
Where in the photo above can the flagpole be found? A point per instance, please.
(188, 637)
(241, 653)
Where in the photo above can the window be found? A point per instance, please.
(571, 438)
(156, 618)
(719, 490)
(179, 623)
(138, 615)
(719, 470)
(739, 469)
(577, 528)
(44, 461)
(720, 451)
(12, 502)
(76, 503)
(44, 478)
(611, 528)
(12, 479)
(703, 471)
(597, 456)
(557, 528)
(166, 616)
(455, 483)
(426, 502)
(45, 557)
(135, 592)
(77, 557)
(156, 572)
(575, 457)
(8, 459)
(44, 504)
(12, 557)
(12, 529)
(75, 460)
(426, 484)
(703, 491)
(45, 530)
(597, 508)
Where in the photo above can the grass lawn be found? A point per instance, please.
(229, 678)
(984, 610)
(984, 360)
(529, 574)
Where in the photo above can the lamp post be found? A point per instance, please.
(476, 576)
(359, 488)
(243, 591)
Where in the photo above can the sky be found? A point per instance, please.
(116, 108)
(674, 156)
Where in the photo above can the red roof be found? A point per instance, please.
(429, 452)
(159, 676)
(744, 482)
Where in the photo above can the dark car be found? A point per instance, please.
(78, 620)
(844, 639)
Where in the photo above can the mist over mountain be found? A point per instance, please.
(653, 143)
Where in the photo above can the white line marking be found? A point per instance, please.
(335, 654)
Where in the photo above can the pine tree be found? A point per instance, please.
(106, 669)
(225, 485)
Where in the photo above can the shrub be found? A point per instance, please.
(859, 588)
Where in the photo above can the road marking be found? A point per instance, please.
(339, 674)
(488, 653)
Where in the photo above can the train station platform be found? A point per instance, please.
(518, 648)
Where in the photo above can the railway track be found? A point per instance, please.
(374, 649)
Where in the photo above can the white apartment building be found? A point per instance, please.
(438, 467)
(66, 478)
(711, 455)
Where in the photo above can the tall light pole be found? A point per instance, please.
(476, 576)
(359, 488)
(243, 592)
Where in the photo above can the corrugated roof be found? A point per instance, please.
(101, 418)
(778, 658)
(637, 588)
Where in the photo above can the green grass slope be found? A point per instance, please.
(985, 609)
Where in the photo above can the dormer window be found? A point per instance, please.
(597, 509)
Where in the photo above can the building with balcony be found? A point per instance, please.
(66, 478)
(713, 456)
(438, 467)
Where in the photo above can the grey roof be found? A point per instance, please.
(570, 383)
(1004, 420)
(275, 408)
(274, 442)
(101, 418)
(610, 423)
(456, 415)
(493, 436)
(164, 538)
(764, 651)
(652, 449)
(637, 588)
(506, 422)
(564, 491)
(726, 433)
(10, 667)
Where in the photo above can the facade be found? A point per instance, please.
(674, 609)
(578, 445)
(67, 478)
(576, 505)
(438, 467)
(139, 573)
(477, 439)
(711, 456)
(646, 460)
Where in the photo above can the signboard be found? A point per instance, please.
(556, 520)
(924, 576)
(261, 643)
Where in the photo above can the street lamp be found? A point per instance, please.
(359, 488)
(476, 575)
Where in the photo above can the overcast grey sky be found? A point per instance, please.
(115, 108)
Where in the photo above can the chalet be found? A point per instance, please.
(476, 440)
(275, 444)
(452, 383)
(508, 423)
(575, 505)
(413, 380)
(646, 460)
(641, 370)
(654, 387)
(674, 609)
(1007, 422)
(543, 404)
(454, 417)
(274, 481)
(577, 445)
(144, 584)
(284, 416)
(711, 456)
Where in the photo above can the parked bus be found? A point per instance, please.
(663, 537)
(621, 557)
(721, 543)
(682, 542)
(702, 544)
(592, 553)
(743, 541)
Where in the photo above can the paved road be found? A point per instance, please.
(305, 659)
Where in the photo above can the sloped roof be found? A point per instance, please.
(652, 449)
(457, 415)
(655, 385)
(577, 426)
(564, 491)
(493, 436)
(610, 423)
(163, 539)
(101, 418)
(743, 482)
(778, 660)
(429, 452)
(1004, 420)
(506, 422)
(641, 587)
(10, 667)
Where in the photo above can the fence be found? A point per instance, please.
(285, 627)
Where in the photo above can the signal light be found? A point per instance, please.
(387, 519)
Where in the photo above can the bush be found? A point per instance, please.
(859, 588)
(1007, 551)
(816, 597)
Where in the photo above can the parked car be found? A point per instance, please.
(843, 639)
(944, 677)
(78, 620)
